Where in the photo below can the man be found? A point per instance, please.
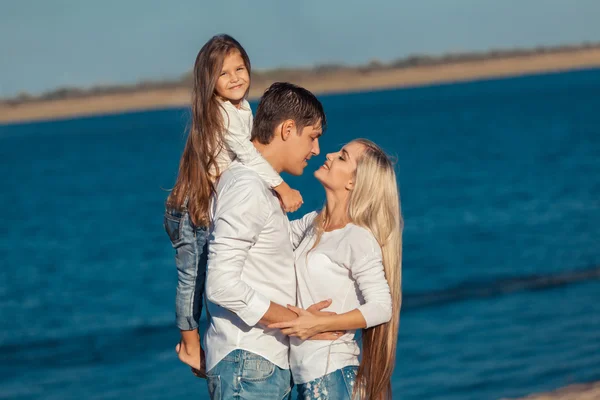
(250, 274)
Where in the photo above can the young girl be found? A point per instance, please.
(220, 132)
(350, 253)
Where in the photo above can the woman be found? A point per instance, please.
(351, 253)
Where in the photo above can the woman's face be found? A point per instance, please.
(337, 173)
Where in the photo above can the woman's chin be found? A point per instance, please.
(319, 174)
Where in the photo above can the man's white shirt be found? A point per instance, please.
(250, 264)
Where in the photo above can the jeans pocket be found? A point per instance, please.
(288, 394)
(173, 226)
(349, 377)
(214, 386)
(257, 369)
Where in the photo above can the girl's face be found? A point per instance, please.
(234, 80)
(338, 171)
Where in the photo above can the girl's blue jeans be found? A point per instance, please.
(190, 244)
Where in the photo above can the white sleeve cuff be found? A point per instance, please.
(375, 314)
(275, 181)
(255, 310)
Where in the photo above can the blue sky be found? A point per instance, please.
(48, 44)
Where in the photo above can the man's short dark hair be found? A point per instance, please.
(283, 101)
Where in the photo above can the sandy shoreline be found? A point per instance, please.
(334, 82)
(584, 391)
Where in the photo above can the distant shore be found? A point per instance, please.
(412, 71)
(585, 391)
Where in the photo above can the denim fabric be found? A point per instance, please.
(245, 375)
(191, 254)
(337, 385)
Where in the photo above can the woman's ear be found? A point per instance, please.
(350, 185)
(288, 127)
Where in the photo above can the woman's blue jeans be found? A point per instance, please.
(337, 385)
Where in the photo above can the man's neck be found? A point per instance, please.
(270, 154)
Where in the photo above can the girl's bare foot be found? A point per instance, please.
(189, 355)
(192, 355)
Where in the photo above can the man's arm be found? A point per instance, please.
(277, 313)
(239, 218)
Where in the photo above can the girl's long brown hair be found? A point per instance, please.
(374, 204)
(198, 167)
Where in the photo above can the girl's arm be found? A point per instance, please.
(237, 140)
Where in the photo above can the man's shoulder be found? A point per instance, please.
(241, 191)
(238, 176)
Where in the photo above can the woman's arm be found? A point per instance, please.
(377, 309)
(308, 325)
(298, 228)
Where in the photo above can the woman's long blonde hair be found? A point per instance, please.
(374, 204)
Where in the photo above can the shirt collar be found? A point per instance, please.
(244, 105)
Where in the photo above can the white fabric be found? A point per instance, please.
(346, 266)
(250, 263)
(237, 144)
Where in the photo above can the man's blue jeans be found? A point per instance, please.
(245, 375)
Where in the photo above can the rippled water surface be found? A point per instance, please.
(500, 184)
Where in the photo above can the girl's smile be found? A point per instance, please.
(234, 80)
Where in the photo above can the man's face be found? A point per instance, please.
(301, 147)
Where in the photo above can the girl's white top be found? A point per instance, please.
(346, 266)
(237, 144)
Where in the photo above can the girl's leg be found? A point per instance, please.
(190, 258)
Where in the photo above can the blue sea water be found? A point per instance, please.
(500, 186)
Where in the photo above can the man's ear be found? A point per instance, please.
(288, 127)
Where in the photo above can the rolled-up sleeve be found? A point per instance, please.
(238, 219)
